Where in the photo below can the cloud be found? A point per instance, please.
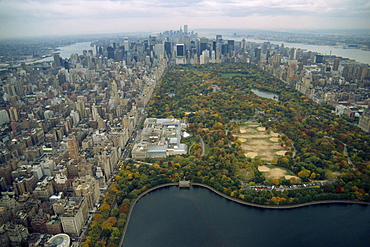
(43, 16)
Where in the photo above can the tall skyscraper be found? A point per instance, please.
(126, 44)
(218, 38)
(231, 45)
(336, 64)
(292, 54)
(57, 60)
(257, 55)
(186, 30)
(110, 51)
(181, 36)
(80, 107)
(244, 45)
(187, 42)
(168, 49)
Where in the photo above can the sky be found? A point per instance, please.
(27, 18)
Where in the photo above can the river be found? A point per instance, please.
(197, 217)
(355, 54)
(66, 51)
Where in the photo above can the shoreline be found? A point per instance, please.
(287, 206)
(237, 200)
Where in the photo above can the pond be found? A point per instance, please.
(265, 94)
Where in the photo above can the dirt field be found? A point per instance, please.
(280, 152)
(274, 172)
(257, 142)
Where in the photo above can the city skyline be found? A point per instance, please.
(28, 18)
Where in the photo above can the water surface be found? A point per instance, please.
(199, 218)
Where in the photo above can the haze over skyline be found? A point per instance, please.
(27, 18)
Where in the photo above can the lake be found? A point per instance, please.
(197, 217)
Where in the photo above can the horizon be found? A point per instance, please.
(41, 18)
(200, 32)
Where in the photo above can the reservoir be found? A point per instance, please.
(197, 217)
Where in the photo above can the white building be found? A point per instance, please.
(160, 138)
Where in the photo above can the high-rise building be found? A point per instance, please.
(218, 38)
(10, 89)
(4, 117)
(231, 45)
(126, 44)
(168, 49)
(292, 54)
(187, 42)
(336, 64)
(96, 110)
(72, 147)
(74, 215)
(57, 60)
(257, 54)
(80, 107)
(203, 45)
(180, 50)
(186, 29)
(110, 51)
(319, 59)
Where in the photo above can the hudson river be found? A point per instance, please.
(197, 217)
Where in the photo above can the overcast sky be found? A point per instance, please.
(20, 18)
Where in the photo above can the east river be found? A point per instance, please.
(197, 217)
(355, 54)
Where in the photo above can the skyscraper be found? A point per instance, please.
(186, 30)
(180, 54)
(292, 54)
(180, 50)
(57, 60)
(203, 45)
(336, 64)
(110, 51)
(126, 44)
(168, 49)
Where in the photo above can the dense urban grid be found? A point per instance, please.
(71, 127)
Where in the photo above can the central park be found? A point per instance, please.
(258, 150)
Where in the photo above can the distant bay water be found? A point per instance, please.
(197, 217)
